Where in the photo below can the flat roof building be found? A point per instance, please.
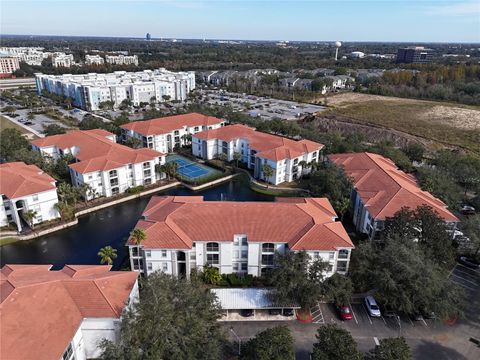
(414, 55)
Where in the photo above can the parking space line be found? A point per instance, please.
(366, 312)
(469, 281)
(465, 286)
(466, 267)
(383, 320)
(353, 313)
(425, 322)
(466, 273)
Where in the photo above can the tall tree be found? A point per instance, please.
(176, 319)
(296, 277)
(338, 288)
(392, 349)
(29, 216)
(138, 236)
(273, 343)
(237, 157)
(267, 172)
(334, 343)
(107, 254)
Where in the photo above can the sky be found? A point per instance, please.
(314, 20)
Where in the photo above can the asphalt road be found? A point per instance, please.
(428, 339)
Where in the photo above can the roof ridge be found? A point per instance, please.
(106, 299)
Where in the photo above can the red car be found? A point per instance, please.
(344, 312)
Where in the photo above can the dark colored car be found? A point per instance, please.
(28, 123)
(388, 313)
(469, 262)
(246, 312)
(287, 312)
(274, 312)
(344, 312)
(467, 210)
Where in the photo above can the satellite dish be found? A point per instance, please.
(338, 44)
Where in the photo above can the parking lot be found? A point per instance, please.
(262, 107)
(428, 338)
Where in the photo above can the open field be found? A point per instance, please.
(7, 124)
(442, 123)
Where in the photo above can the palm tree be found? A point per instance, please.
(66, 211)
(342, 206)
(304, 165)
(237, 157)
(267, 172)
(86, 190)
(223, 158)
(137, 236)
(107, 254)
(172, 168)
(29, 216)
(31, 116)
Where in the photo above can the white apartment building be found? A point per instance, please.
(186, 232)
(8, 64)
(288, 158)
(94, 60)
(107, 167)
(89, 90)
(165, 134)
(121, 59)
(60, 59)
(62, 314)
(381, 190)
(25, 188)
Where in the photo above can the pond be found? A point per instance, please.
(79, 244)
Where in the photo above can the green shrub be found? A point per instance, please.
(136, 189)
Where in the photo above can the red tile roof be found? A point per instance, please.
(170, 123)
(19, 179)
(384, 188)
(175, 222)
(96, 151)
(41, 310)
(268, 146)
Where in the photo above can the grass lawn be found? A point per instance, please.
(443, 123)
(7, 124)
(7, 240)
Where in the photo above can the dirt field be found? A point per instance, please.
(442, 123)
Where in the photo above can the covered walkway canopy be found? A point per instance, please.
(249, 298)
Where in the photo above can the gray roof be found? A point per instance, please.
(248, 298)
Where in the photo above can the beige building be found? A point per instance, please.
(8, 64)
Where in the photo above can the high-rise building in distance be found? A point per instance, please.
(148, 36)
(414, 55)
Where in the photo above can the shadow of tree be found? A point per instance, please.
(433, 350)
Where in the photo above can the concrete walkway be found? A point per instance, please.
(270, 187)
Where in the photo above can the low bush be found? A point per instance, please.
(136, 189)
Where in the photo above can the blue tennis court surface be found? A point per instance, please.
(189, 169)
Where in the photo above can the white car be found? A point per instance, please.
(372, 307)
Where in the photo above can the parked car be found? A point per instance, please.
(344, 312)
(246, 312)
(372, 307)
(274, 311)
(387, 312)
(28, 123)
(288, 312)
(467, 210)
(469, 262)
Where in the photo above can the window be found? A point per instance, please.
(316, 254)
(193, 255)
(149, 266)
(314, 154)
(147, 181)
(134, 251)
(244, 241)
(114, 182)
(90, 177)
(146, 165)
(148, 253)
(115, 191)
(213, 259)
(342, 266)
(244, 266)
(113, 173)
(331, 255)
(267, 260)
(196, 128)
(235, 254)
(35, 197)
(244, 254)
(343, 254)
(268, 247)
(176, 132)
(164, 267)
(211, 247)
(68, 354)
(130, 166)
(235, 266)
(164, 253)
(147, 173)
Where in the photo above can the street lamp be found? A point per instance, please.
(238, 339)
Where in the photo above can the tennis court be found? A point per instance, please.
(189, 169)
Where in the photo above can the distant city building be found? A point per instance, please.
(25, 188)
(287, 158)
(148, 37)
(88, 91)
(8, 65)
(94, 60)
(414, 55)
(107, 167)
(60, 59)
(121, 59)
(185, 233)
(357, 54)
(30, 55)
(64, 313)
